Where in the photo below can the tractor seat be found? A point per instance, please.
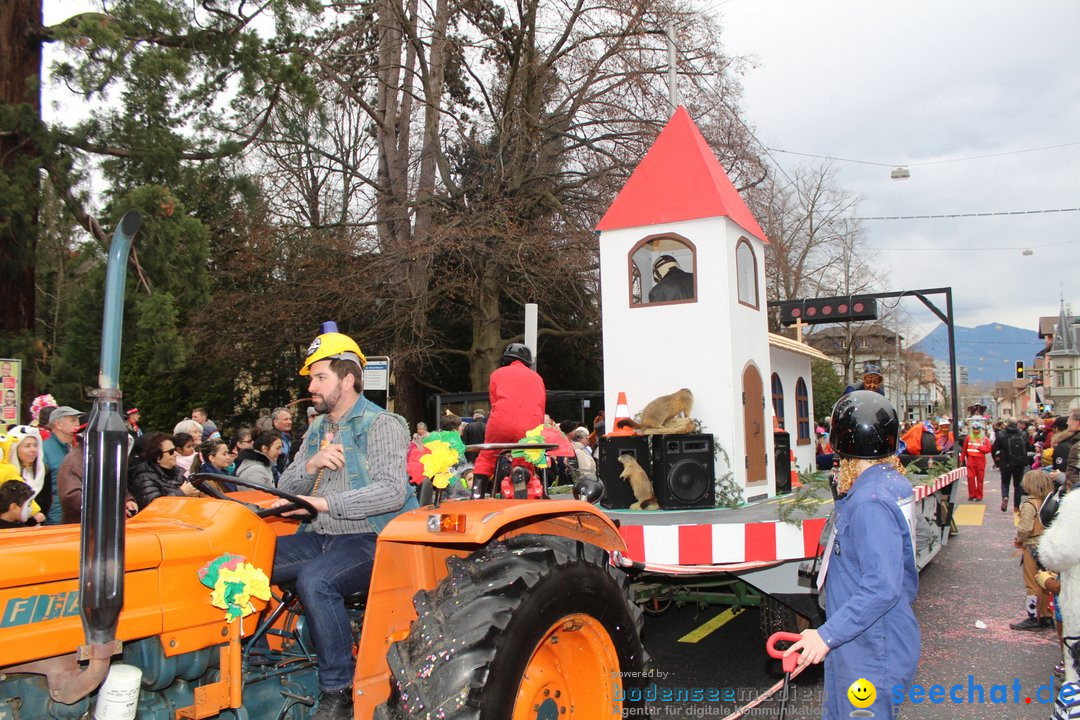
(355, 600)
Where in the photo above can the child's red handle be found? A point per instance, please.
(792, 660)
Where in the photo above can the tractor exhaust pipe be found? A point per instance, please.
(101, 570)
(101, 562)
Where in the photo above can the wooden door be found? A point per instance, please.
(753, 398)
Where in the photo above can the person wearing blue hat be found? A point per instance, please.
(871, 379)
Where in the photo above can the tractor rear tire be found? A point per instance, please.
(536, 627)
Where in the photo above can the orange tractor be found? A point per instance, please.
(478, 608)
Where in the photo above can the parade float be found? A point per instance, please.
(682, 273)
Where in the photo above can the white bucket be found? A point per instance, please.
(118, 697)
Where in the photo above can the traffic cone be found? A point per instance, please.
(795, 483)
(622, 412)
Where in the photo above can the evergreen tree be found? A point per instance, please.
(176, 90)
(828, 387)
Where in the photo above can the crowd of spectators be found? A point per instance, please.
(46, 458)
(1038, 460)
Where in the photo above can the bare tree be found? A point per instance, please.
(814, 243)
(527, 118)
(462, 153)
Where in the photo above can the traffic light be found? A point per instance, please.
(1019, 369)
(828, 310)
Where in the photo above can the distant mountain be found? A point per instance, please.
(989, 352)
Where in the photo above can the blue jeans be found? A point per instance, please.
(326, 568)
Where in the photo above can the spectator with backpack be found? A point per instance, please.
(1010, 453)
(473, 433)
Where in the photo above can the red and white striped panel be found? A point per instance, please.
(721, 544)
(945, 480)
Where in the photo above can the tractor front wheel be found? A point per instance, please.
(536, 627)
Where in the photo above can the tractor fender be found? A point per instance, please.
(487, 520)
(410, 557)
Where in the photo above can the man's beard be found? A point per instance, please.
(326, 403)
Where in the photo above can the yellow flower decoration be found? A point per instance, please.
(235, 588)
(536, 457)
(438, 461)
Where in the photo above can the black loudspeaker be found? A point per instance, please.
(782, 464)
(617, 492)
(684, 474)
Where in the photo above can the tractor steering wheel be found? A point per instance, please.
(200, 481)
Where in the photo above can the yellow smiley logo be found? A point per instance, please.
(862, 693)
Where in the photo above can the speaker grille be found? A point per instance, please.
(688, 481)
(683, 471)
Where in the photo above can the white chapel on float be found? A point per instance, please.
(683, 304)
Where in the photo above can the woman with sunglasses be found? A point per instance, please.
(158, 475)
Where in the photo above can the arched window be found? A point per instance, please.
(663, 270)
(802, 412)
(778, 399)
(746, 274)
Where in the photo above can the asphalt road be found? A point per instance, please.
(975, 579)
(730, 663)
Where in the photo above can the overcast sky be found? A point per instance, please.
(922, 81)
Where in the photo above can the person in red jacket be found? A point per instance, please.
(976, 448)
(518, 398)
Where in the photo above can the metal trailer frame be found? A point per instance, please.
(784, 588)
(945, 317)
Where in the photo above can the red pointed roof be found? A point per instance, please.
(679, 179)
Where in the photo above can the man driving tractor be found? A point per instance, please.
(351, 468)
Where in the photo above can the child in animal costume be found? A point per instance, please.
(976, 448)
(1037, 484)
(21, 448)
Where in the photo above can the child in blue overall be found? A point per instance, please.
(869, 572)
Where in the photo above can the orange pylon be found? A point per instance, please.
(622, 412)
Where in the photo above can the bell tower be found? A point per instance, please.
(683, 293)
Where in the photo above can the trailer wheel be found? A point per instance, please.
(534, 627)
(778, 617)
